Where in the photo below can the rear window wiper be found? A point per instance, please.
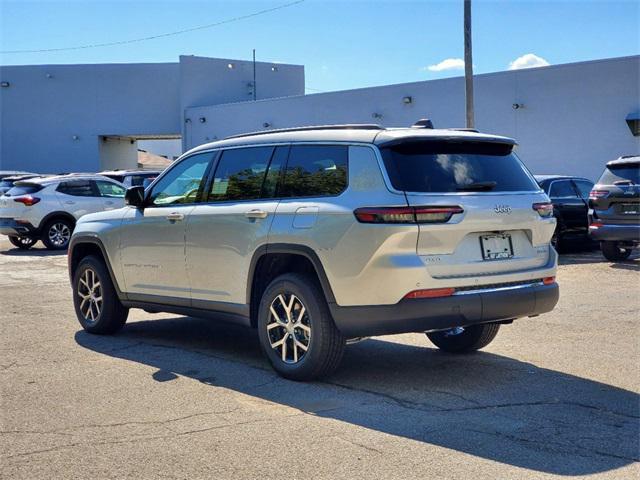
(623, 182)
(477, 186)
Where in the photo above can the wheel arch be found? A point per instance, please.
(83, 246)
(57, 214)
(272, 260)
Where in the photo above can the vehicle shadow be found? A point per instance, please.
(483, 404)
(33, 252)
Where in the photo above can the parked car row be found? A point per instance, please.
(46, 207)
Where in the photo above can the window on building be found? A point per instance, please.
(240, 174)
(315, 171)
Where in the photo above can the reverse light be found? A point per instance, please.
(27, 200)
(434, 214)
(595, 194)
(549, 280)
(544, 209)
(431, 293)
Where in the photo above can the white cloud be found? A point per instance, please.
(528, 60)
(447, 64)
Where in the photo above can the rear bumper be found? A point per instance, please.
(8, 226)
(460, 310)
(621, 233)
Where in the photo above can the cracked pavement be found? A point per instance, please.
(171, 397)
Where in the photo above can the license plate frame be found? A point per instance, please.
(630, 208)
(496, 246)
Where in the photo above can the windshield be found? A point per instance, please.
(628, 173)
(443, 167)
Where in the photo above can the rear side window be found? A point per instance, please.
(315, 171)
(240, 174)
(562, 189)
(443, 167)
(26, 189)
(77, 188)
(621, 174)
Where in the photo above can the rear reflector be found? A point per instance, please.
(544, 209)
(549, 280)
(27, 200)
(434, 214)
(598, 194)
(431, 293)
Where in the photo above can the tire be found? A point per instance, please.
(613, 252)
(314, 329)
(105, 317)
(56, 234)
(468, 340)
(23, 243)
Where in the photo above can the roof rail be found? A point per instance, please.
(351, 126)
(474, 130)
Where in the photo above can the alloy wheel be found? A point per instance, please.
(59, 234)
(289, 328)
(90, 293)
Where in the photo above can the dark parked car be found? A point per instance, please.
(132, 178)
(614, 208)
(570, 197)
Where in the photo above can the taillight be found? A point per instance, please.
(431, 293)
(549, 280)
(27, 200)
(595, 194)
(596, 224)
(406, 214)
(544, 209)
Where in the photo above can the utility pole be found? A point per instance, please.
(468, 65)
(255, 95)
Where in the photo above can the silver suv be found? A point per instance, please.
(318, 236)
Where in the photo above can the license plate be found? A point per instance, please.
(496, 247)
(631, 208)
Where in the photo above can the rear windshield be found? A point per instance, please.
(24, 189)
(629, 173)
(443, 167)
(6, 183)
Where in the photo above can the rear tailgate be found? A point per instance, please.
(497, 231)
(616, 197)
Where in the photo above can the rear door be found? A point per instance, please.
(79, 197)
(475, 206)
(584, 187)
(232, 222)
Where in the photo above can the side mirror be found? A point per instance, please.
(134, 196)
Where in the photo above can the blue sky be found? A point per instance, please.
(343, 44)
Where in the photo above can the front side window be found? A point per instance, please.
(182, 183)
(315, 171)
(463, 166)
(240, 174)
(77, 188)
(562, 189)
(111, 190)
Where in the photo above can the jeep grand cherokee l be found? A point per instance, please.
(318, 235)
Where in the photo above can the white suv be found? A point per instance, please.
(315, 236)
(47, 208)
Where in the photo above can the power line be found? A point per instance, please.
(162, 35)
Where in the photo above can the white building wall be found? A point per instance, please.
(52, 116)
(572, 122)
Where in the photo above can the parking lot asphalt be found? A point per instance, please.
(173, 397)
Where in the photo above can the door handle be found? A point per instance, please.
(70, 202)
(256, 214)
(175, 217)
(108, 202)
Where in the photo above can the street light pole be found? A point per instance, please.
(468, 65)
